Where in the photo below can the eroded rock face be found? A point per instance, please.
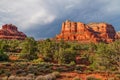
(10, 31)
(92, 32)
(118, 35)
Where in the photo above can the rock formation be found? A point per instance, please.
(10, 31)
(118, 35)
(92, 32)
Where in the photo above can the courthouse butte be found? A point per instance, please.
(92, 32)
(10, 31)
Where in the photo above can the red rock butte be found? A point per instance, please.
(92, 32)
(10, 31)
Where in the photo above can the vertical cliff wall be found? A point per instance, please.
(92, 32)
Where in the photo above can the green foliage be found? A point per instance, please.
(28, 56)
(37, 61)
(29, 49)
(72, 63)
(10, 45)
(3, 56)
(51, 50)
(92, 78)
(100, 56)
(1, 71)
(66, 56)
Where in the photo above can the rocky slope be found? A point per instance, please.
(92, 32)
(10, 31)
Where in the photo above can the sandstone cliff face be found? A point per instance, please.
(118, 35)
(10, 31)
(92, 32)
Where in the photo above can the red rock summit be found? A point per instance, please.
(10, 31)
(92, 32)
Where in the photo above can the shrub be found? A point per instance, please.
(37, 61)
(22, 78)
(92, 78)
(40, 78)
(49, 77)
(7, 73)
(4, 78)
(3, 56)
(11, 78)
(66, 56)
(20, 71)
(31, 76)
(72, 63)
(112, 79)
(29, 50)
(53, 76)
(76, 78)
(1, 71)
(78, 68)
(118, 76)
(28, 56)
(57, 74)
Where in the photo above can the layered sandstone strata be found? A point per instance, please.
(92, 32)
(10, 31)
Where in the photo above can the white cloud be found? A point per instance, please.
(42, 17)
(25, 13)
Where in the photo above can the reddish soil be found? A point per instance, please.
(13, 58)
(83, 76)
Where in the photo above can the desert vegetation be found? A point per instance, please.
(48, 59)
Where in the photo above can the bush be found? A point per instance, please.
(29, 50)
(37, 61)
(3, 56)
(31, 76)
(66, 56)
(51, 76)
(28, 56)
(7, 73)
(79, 68)
(22, 78)
(112, 79)
(1, 71)
(76, 78)
(72, 63)
(92, 78)
(19, 71)
(40, 78)
(57, 74)
(11, 78)
(117, 76)
(4, 78)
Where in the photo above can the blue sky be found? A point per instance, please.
(43, 18)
